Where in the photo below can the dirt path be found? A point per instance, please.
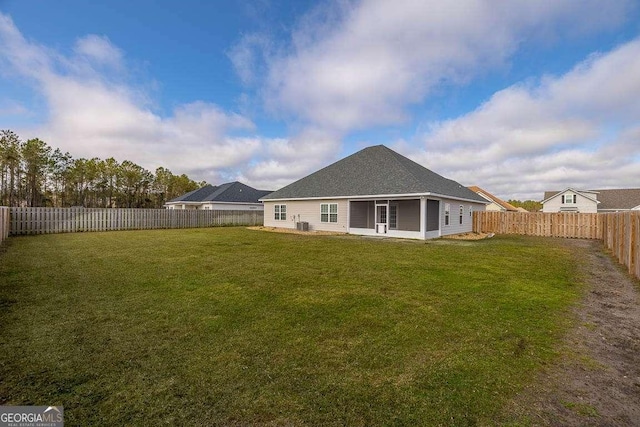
(597, 381)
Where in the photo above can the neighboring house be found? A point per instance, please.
(229, 196)
(591, 201)
(375, 192)
(495, 203)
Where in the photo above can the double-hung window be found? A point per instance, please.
(447, 211)
(280, 212)
(328, 212)
(569, 198)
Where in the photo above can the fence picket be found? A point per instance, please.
(28, 220)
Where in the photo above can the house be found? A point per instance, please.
(230, 196)
(375, 192)
(591, 201)
(495, 203)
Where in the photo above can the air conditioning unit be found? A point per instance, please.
(302, 226)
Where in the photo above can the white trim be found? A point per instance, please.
(280, 205)
(378, 196)
(328, 221)
(423, 218)
(183, 203)
(446, 214)
(213, 203)
(581, 192)
(390, 233)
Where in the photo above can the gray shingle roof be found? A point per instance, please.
(230, 192)
(375, 170)
(612, 199)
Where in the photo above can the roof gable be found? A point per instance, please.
(492, 198)
(372, 171)
(608, 199)
(589, 194)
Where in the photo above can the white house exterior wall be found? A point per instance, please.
(454, 226)
(218, 206)
(582, 205)
(233, 206)
(307, 211)
(495, 207)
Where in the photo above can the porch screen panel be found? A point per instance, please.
(433, 215)
(362, 214)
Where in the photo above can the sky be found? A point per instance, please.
(517, 97)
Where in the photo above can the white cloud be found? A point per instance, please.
(92, 113)
(285, 160)
(99, 49)
(351, 66)
(578, 130)
(377, 57)
(358, 65)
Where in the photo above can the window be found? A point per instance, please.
(447, 210)
(280, 212)
(393, 217)
(328, 212)
(569, 198)
(461, 213)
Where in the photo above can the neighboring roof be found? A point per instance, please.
(611, 199)
(622, 198)
(372, 171)
(230, 192)
(589, 194)
(495, 199)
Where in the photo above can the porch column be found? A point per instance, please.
(423, 218)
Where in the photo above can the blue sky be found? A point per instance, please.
(517, 97)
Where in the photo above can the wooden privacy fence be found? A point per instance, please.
(621, 235)
(4, 223)
(568, 225)
(620, 231)
(71, 220)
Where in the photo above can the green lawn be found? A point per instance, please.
(234, 326)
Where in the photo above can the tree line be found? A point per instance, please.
(34, 174)
(529, 205)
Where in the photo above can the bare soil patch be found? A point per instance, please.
(597, 380)
(469, 236)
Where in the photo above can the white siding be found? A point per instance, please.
(217, 206)
(493, 206)
(233, 206)
(583, 204)
(454, 226)
(309, 211)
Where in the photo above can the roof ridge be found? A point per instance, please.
(399, 158)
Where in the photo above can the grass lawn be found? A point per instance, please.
(233, 326)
